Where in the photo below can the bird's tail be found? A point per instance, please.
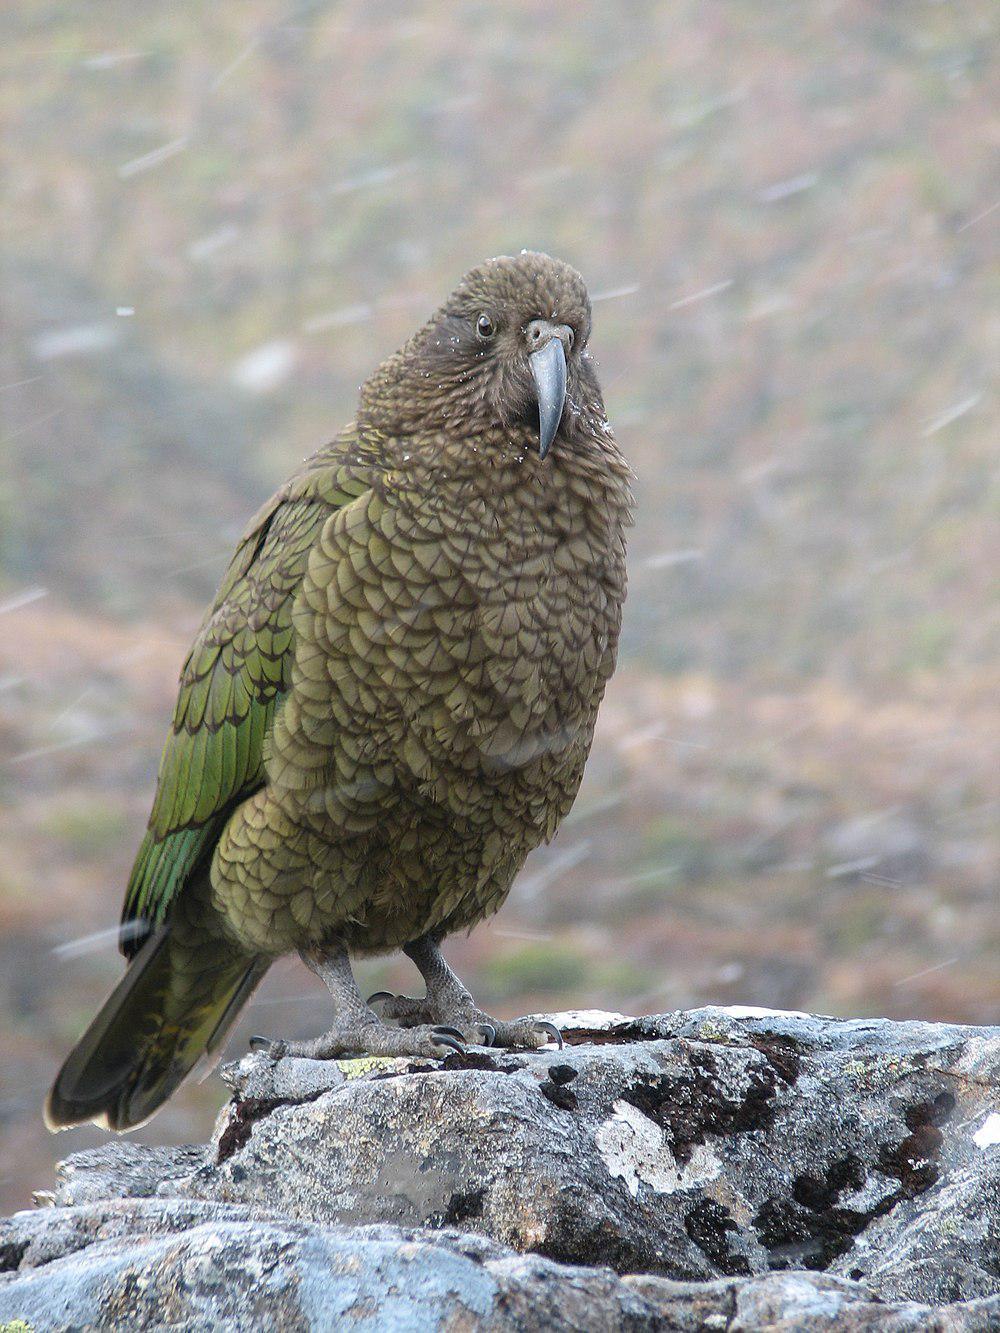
(175, 1003)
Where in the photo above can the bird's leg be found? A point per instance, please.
(357, 1029)
(447, 1001)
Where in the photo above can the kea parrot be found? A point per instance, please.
(388, 705)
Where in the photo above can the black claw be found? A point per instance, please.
(449, 1032)
(440, 1037)
(275, 1049)
(551, 1028)
(489, 1033)
(379, 995)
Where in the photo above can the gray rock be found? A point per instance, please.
(707, 1144)
(150, 1264)
(733, 1168)
(290, 1079)
(120, 1170)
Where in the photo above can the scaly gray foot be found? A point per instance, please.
(375, 1038)
(469, 1021)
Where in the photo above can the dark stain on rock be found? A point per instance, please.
(813, 1227)
(620, 1035)
(711, 1227)
(581, 1231)
(689, 1107)
(782, 1054)
(480, 1060)
(913, 1161)
(555, 1089)
(559, 1095)
(819, 1193)
(11, 1254)
(462, 1206)
(456, 1060)
(244, 1114)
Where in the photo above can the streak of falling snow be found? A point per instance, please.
(615, 293)
(635, 738)
(580, 813)
(979, 216)
(212, 242)
(668, 559)
(649, 875)
(111, 59)
(234, 64)
(98, 940)
(528, 887)
(855, 867)
(22, 599)
(702, 295)
(32, 425)
(134, 654)
(951, 414)
(91, 737)
(137, 165)
(376, 176)
(926, 971)
(771, 194)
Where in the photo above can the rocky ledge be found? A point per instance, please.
(722, 1168)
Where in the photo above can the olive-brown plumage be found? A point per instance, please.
(389, 704)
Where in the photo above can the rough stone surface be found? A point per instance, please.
(723, 1168)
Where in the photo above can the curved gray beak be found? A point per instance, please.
(548, 367)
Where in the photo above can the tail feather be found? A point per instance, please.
(175, 1004)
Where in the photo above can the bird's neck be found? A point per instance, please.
(495, 486)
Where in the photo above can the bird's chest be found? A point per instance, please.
(453, 646)
(520, 628)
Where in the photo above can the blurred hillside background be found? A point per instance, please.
(218, 219)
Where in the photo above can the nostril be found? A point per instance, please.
(539, 331)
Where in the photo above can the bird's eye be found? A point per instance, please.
(485, 327)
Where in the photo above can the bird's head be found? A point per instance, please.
(507, 348)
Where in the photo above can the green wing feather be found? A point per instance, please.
(234, 678)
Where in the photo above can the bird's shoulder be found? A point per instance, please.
(332, 477)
